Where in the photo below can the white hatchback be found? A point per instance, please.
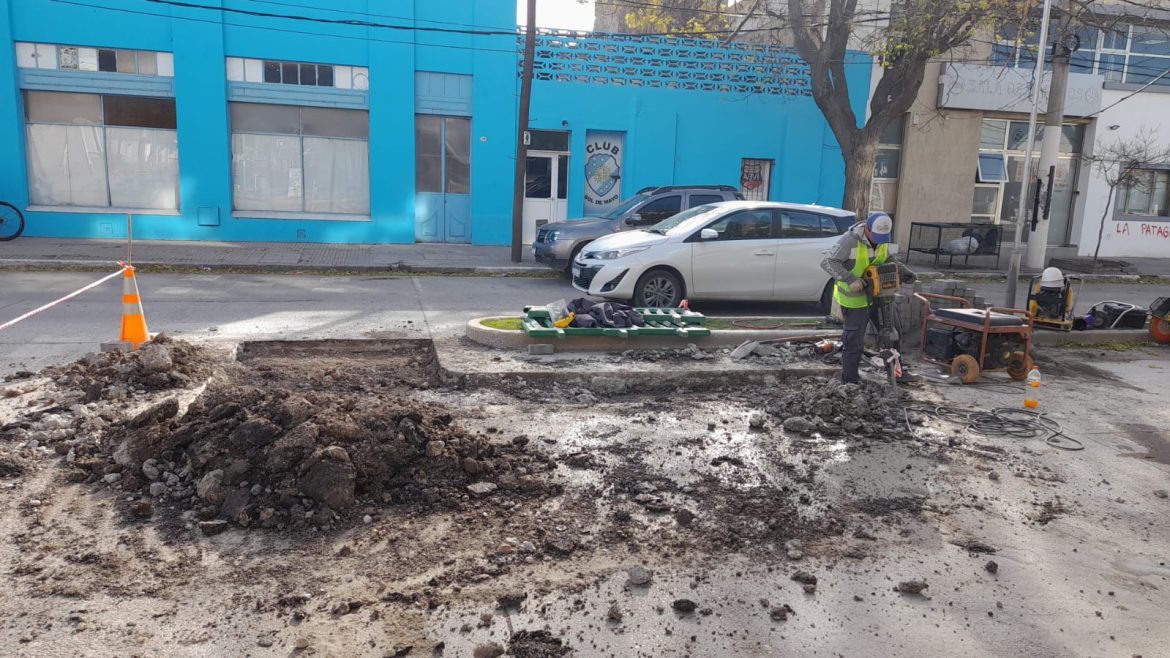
(736, 250)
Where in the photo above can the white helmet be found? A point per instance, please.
(1052, 278)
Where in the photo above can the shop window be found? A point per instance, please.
(300, 159)
(102, 151)
(1146, 193)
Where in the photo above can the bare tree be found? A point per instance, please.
(1121, 164)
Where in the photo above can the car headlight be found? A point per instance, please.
(616, 253)
(552, 236)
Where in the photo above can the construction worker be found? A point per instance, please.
(864, 244)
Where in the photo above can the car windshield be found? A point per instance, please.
(625, 206)
(685, 221)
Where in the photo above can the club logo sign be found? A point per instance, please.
(751, 175)
(603, 168)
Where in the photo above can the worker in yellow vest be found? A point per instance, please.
(864, 244)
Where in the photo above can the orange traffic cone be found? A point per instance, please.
(133, 319)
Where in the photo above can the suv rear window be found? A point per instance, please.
(704, 199)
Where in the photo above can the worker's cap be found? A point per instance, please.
(881, 226)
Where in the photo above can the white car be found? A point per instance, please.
(736, 250)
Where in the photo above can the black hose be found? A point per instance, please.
(1002, 422)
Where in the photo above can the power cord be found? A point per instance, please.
(1002, 422)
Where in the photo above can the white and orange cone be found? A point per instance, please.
(134, 330)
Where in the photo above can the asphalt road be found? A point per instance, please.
(239, 307)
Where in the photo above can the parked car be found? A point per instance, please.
(737, 250)
(558, 243)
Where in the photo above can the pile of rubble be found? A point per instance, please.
(161, 364)
(274, 458)
(829, 407)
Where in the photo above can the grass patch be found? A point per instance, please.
(1112, 346)
(748, 324)
(506, 324)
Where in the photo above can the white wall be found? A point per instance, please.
(1149, 110)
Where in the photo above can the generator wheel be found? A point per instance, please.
(966, 368)
(1019, 365)
(1160, 329)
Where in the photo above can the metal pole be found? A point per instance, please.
(521, 147)
(1037, 248)
(129, 238)
(1026, 179)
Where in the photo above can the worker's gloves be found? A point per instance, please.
(908, 277)
(856, 286)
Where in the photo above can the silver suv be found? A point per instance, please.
(557, 244)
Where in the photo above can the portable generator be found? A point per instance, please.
(970, 340)
(1051, 297)
(1113, 315)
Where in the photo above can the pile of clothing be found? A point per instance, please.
(587, 314)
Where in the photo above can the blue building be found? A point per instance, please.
(376, 123)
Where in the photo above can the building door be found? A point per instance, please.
(755, 179)
(442, 178)
(545, 185)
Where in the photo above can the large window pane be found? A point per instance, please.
(67, 166)
(140, 112)
(458, 149)
(126, 62)
(57, 107)
(261, 118)
(1018, 135)
(337, 176)
(1150, 41)
(887, 163)
(1071, 138)
(428, 154)
(144, 168)
(985, 201)
(266, 172)
(288, 73)
(327, 122)
(1144, 68)
(892, 135)
(538, 177)
(993, 134)
(1138, 196)
(1112, 67)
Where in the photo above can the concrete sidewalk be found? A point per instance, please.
(270, 256)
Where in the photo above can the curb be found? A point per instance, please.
(280, 268)
(508, 339)
(1090, 337)
(995, 276)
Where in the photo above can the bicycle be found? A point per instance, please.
(11, 222)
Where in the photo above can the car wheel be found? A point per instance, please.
(658, 288)
(826, 302)
(572, 259)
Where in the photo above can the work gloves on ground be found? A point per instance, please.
(856, 286)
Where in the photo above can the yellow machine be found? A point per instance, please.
(882, 280)
(1051, 299)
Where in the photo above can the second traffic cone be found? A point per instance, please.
(133, 319)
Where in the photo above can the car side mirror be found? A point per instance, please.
(708, 234)
(635, 219)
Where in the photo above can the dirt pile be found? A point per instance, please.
(161, 364)
(275, 458)
(831, 408)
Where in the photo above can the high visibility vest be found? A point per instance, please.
(861, 261)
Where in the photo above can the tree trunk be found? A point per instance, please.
(859, 163)
(1101, 228)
